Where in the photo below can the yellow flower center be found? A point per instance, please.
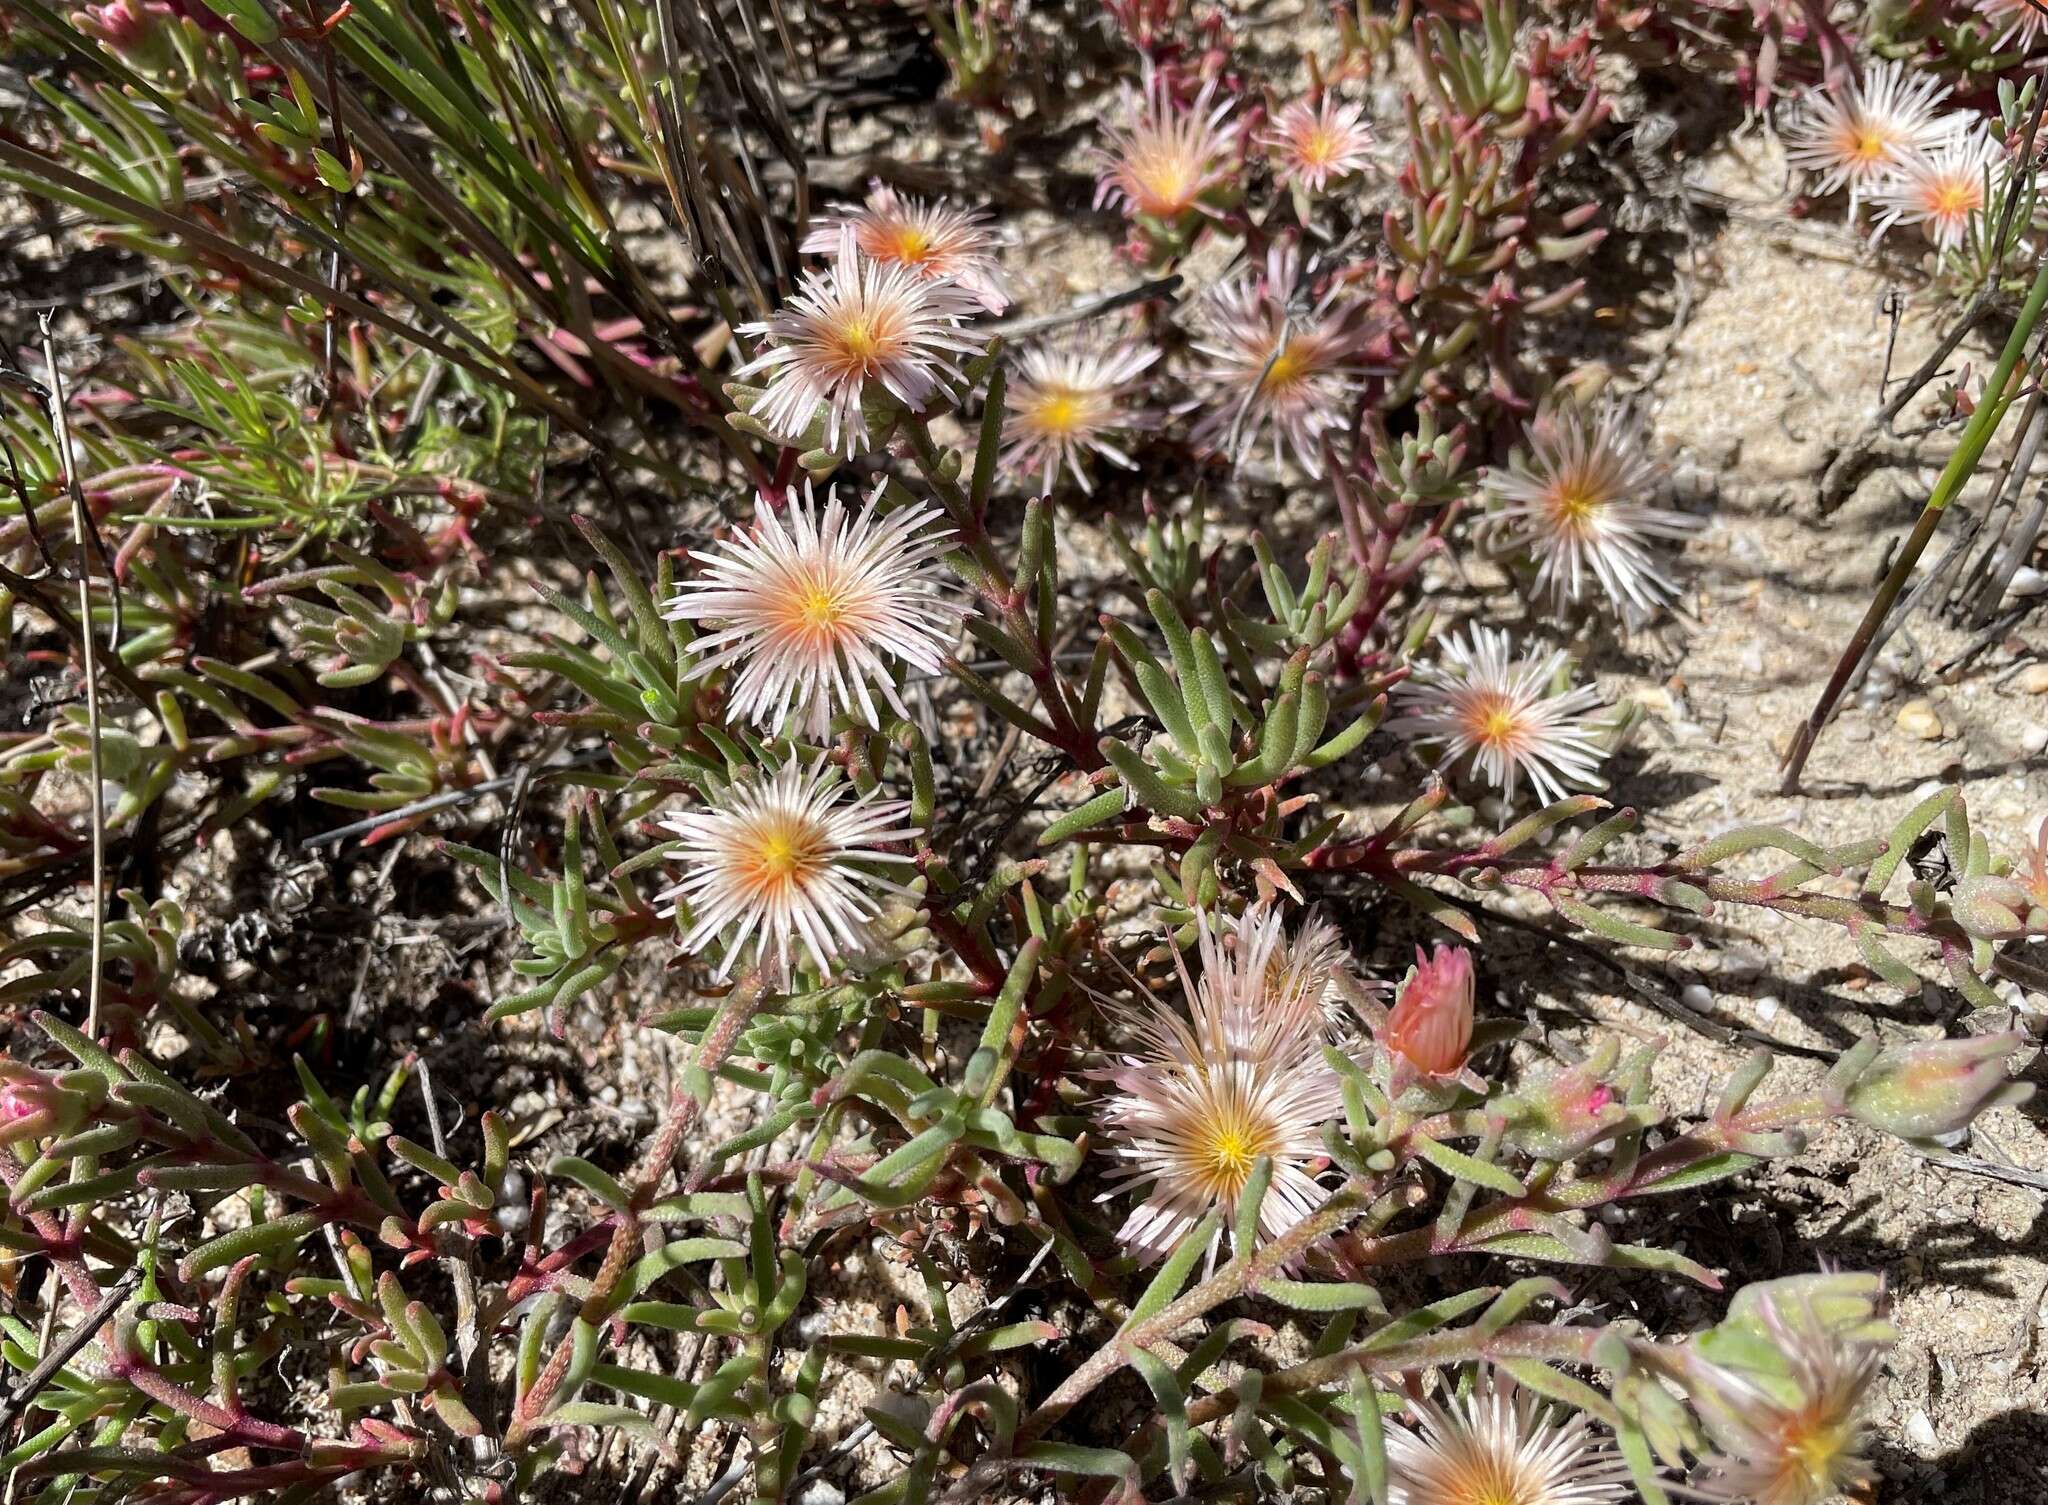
(1289, 368)
(1319, 147)
(906, 243)
(1165, 181)
(1868, 145)
(1574, 502)
(1953, 200)
(820, 607)
(859, 341)
(1227, 1143)
(1493, 722)
(1062, 412)
(1813, 1448)
(782, 853)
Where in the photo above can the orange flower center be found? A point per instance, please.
(1955, 199)
(903, 242)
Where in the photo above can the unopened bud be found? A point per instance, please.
(1936, 1087)
(1431, 1024)
(1991, 908)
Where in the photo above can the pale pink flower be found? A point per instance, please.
(1943, 190)
(1072, 399)
(1852, 134)
(1316, 145)
(817, 609)
(1244, 1075)
(1513, 715)
(1270, 367)
(1575, 501)
(1168, 160)
(855, 331)
(933, 240)
(1500, 1445)
(784, 859)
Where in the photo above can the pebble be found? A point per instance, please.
(2028, 581)
(2033, 679)
(1766, 1009)
(1916, 718)
(821, 1492)
(2034, 739)
(1697, 997)
(1740, 964)
(1920, 1432)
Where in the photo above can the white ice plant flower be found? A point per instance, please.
(1852, 134)
(1069, 400)
(854, 331)
(1243, 1075)
(1577, 501)
(784, 859)
(1270, 365)
(1944, 189)
(1499, 1445)
(1510, 713)
(1168, 160)
(818, 607)
(1316, 145)
(932, 239)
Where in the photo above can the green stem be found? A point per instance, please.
(1998, 397)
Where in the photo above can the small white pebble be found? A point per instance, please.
(2028, 581)
(1696, 996)
(2034, 739)
(1920, 1432)
(821, 1492)
(1766, 1009)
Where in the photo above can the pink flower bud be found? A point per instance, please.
(130, 29)
(1936, 1087)
(1431, 1024)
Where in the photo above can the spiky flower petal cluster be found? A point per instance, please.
(1853, 133)
(1499, 1445)
(1243, 1075)
(1265, 980)
(1942, 190)
(785, 859)
(1784, 1408)
(1313, 145)
(819, 607)
(2017, 23)
(1071, 399)
(1168, 160)
(931, 239)
(1575, 502)
(855, 331)
(1512, 714)
(1270, 367)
